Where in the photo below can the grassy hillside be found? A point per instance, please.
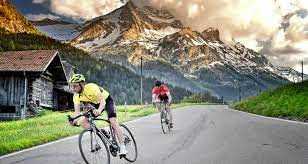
(289, 101)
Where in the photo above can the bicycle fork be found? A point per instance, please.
(94, 144)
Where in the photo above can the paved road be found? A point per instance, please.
(203, 135)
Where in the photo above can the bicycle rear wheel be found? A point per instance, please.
(93, 148)
(164, 121)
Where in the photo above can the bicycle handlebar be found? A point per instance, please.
(71, 119)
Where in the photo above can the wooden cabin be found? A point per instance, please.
(32, 77)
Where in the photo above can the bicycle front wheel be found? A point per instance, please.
(130, 144)
(93, 148)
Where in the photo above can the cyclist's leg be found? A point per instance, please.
(170, 113)
(112, 116)
(168, 108)
(115, 125)
(158, 106)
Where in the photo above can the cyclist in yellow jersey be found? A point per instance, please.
(100, 99)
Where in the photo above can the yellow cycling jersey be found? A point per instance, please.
(91, 93)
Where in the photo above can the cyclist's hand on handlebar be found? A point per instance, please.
(72, 122)
(96, 113)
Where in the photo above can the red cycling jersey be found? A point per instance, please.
(162, 90)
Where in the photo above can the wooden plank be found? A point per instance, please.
(11, 91)
(2, 92)
(6, 89)
(15, 88)
(23, 113)
(6, 82)
(20, 92)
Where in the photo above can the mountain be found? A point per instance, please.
(128, 24)
(121, 82)
(291, 74)
(57, 29)
(13, 21)
(211, 34)
(48, 21)
(197, 61)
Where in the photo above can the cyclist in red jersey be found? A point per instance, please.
(161, 93)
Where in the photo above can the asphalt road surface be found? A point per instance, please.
(210, 134)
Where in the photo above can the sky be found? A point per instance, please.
(276, 28)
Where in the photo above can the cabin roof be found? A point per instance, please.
(29, 61)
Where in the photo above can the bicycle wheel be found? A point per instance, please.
(93, 148)
(130, 144)
(164, 121)
(168, 119)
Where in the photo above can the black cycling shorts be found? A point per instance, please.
(163, 98)
(109, 107)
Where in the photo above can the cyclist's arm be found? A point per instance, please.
(169, 97)
(77, 109)
(154, 98)
(76, 113)
(76, 101)
(102, 104)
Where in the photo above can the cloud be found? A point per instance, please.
(287, 50)
(39, 1)
(282, 23)
(85, 9)
(36, 17)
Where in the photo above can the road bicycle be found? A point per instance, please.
(96, 144)
(164, 117)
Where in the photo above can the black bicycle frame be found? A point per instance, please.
(93, 126)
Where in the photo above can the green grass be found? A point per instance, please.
(21, 134)
(289, 101)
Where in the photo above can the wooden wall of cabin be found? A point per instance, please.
(11, 93)
(41, 89)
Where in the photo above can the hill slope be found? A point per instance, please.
(289, 101)
(12, 20)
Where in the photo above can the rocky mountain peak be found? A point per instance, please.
(211, 34)
(130, 32)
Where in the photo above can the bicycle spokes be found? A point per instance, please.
(93, 149)
(127, 140)
(96, 148)
(130, 144)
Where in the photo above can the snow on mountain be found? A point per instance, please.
(127, 25)
(186, 58)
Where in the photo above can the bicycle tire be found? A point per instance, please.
(82, 151)
(168, 121)
(163, 118)
(132, 138)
